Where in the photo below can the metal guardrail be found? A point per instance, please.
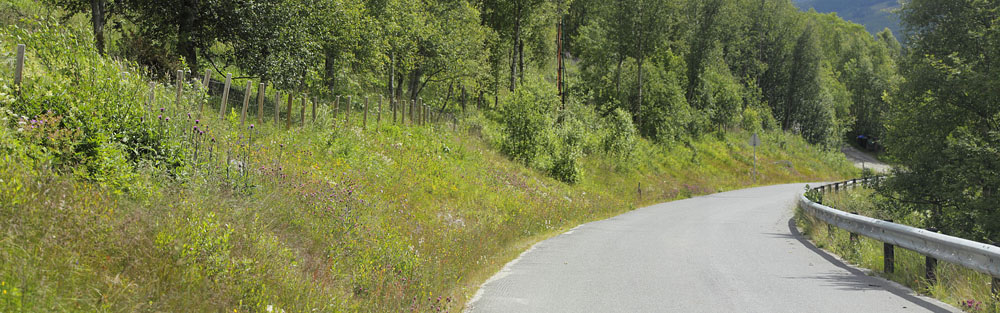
(981, 257)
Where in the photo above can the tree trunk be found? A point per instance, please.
(98, 9)
(392, 75)
(520, 58)
(638, 104)
(330, 68)
(185, 33)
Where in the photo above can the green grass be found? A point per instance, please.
(325, 217)
(955, 285)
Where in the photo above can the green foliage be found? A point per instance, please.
(568, 150)
(621, 138)
(527, 121)
(945, 125)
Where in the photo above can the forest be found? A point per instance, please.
(678, 68)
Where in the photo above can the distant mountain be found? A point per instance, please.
(875, 15)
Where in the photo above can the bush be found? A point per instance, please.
(526, 121)
(621, 136)
(568, 150)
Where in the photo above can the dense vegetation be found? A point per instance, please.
(944, 129)
(118, 196)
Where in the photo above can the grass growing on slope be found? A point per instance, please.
(112, 204)
(955, 285)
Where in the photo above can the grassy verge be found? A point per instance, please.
(955, 285)
(110, 203)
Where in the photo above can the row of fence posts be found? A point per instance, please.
(889, 250)
(418, 112)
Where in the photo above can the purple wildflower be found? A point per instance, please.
(160, 116)
(196, 121)
(163, 109)
(251, 126)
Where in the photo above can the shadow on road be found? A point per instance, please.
(856, 280)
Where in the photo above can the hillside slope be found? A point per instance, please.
(113, 203)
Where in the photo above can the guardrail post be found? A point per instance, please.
(930, 264)
(854, 236)
(888, 256)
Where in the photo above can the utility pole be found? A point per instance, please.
(559, 59)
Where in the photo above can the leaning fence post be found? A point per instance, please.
(288, 121)
(204, 83)
(347, 112)
(260, 103)
(930, 264)
(277, 107)
(336, 108)
(888, 256)
(180, 86)
(246, 103)
(19, 68)
(225, 95)
(152, 95)
(302, 122)
(364, 123)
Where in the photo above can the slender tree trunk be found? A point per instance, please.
(330, 68)
(185, 33)
(98, 9)
(392, 75)
(520, 58)
(638, 104)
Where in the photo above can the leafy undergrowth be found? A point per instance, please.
(112, 204)
(955, 285)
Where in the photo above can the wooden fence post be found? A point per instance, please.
(152, 95)
(288, 121)
(336, 108)
(393, 103)
(180, 86)
(204, 83)
(225, 95)
(314, 110)
(413, 105)
(302, 122)
(364, 120)
(19, 68)
(347, 112)
(208, 78)
(246, 103)
(277, 107)
(261, 88)
(378, 120)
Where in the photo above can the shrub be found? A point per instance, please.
(568, 150)
(621, 136)
(526, 121)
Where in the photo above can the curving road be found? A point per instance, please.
(736, 251)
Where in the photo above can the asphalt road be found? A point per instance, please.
(864, 160)
(730, 252)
